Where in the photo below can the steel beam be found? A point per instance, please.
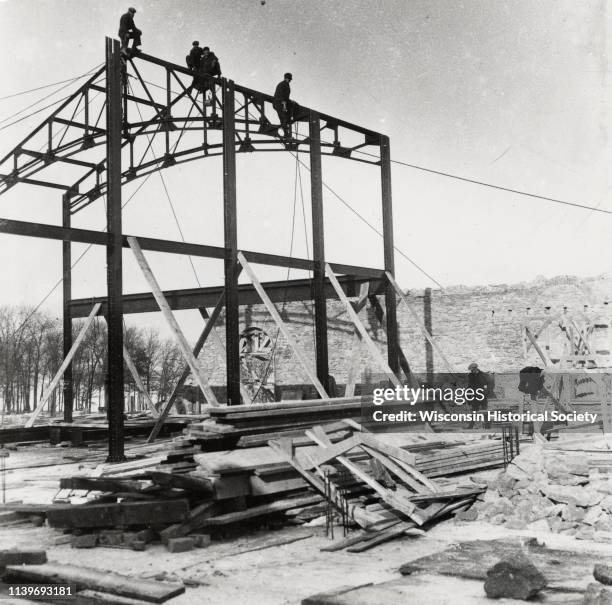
(114, 250)
(195, 298)
(389, 255)
(318, 247)
(88, 236)
(66, 317)
(230, 260)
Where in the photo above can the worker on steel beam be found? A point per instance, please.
(283, 105)
(195, 56)
(127, 30)
(209, 68)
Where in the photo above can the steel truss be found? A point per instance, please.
(138, 115)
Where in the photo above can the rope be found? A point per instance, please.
(493, 186)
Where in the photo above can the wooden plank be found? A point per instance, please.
(197, 517)
(185, 373)
(97, 597)
(390, 450)
(187, 482)
(101, 484)
(85, 578)
(177, 333)
(124, 513)
(403, 298)
(227, 411)
(396, 469)
(282, 327)
(399, 503)
(374, 350)
(360, 516)
(381, 537)
(543, 356)
(75, 347)
(320, 457)
(353, 371)
(139, 384)
(261, 510)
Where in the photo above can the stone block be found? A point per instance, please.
(84, 541)
(515, 578)
(176, 545)
(597, 595)
(201, 540)
(603, 573)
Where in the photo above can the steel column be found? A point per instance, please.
(232, 317)
(387, 220)
(114, 249)
(318, 247)
(66, 316)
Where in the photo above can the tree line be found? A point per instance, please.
(31, 353)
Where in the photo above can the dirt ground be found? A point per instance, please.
(229, 571)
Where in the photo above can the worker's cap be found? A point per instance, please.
(195, 43)
(131, 9)
(472, 366)
(288, 76)
(206, 48)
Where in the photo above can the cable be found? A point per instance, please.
(24, 92)
(41, 100)
(493, 186)
(364, 220)
(161, 176)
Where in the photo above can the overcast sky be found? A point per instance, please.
(514, 93)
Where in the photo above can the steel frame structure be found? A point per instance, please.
(114, 143)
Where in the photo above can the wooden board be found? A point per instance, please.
(84, 578)
(565, 570)
(259, 511)
(112, 515)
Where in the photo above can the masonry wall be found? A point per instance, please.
(484, 324)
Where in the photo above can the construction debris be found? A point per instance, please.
(568, 490)
(514, 578)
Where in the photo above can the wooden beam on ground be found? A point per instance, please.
(360, 327)
(113, 515)
(281, 325)
(179, 337)
(75, 347)
(420, 323)
(353, 372)
(141, 387)
(83, 578)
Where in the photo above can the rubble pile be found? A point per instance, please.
(554, 490)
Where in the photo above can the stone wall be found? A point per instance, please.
(484, 324)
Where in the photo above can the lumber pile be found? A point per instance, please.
(254, 425)
(184, 496)
(568, 492)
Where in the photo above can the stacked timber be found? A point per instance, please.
(255, 425)
(183, 496)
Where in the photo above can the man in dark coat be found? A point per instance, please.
(195, 56)
(477, 379)
(209, 68)
(127, 30)
(283, 105)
